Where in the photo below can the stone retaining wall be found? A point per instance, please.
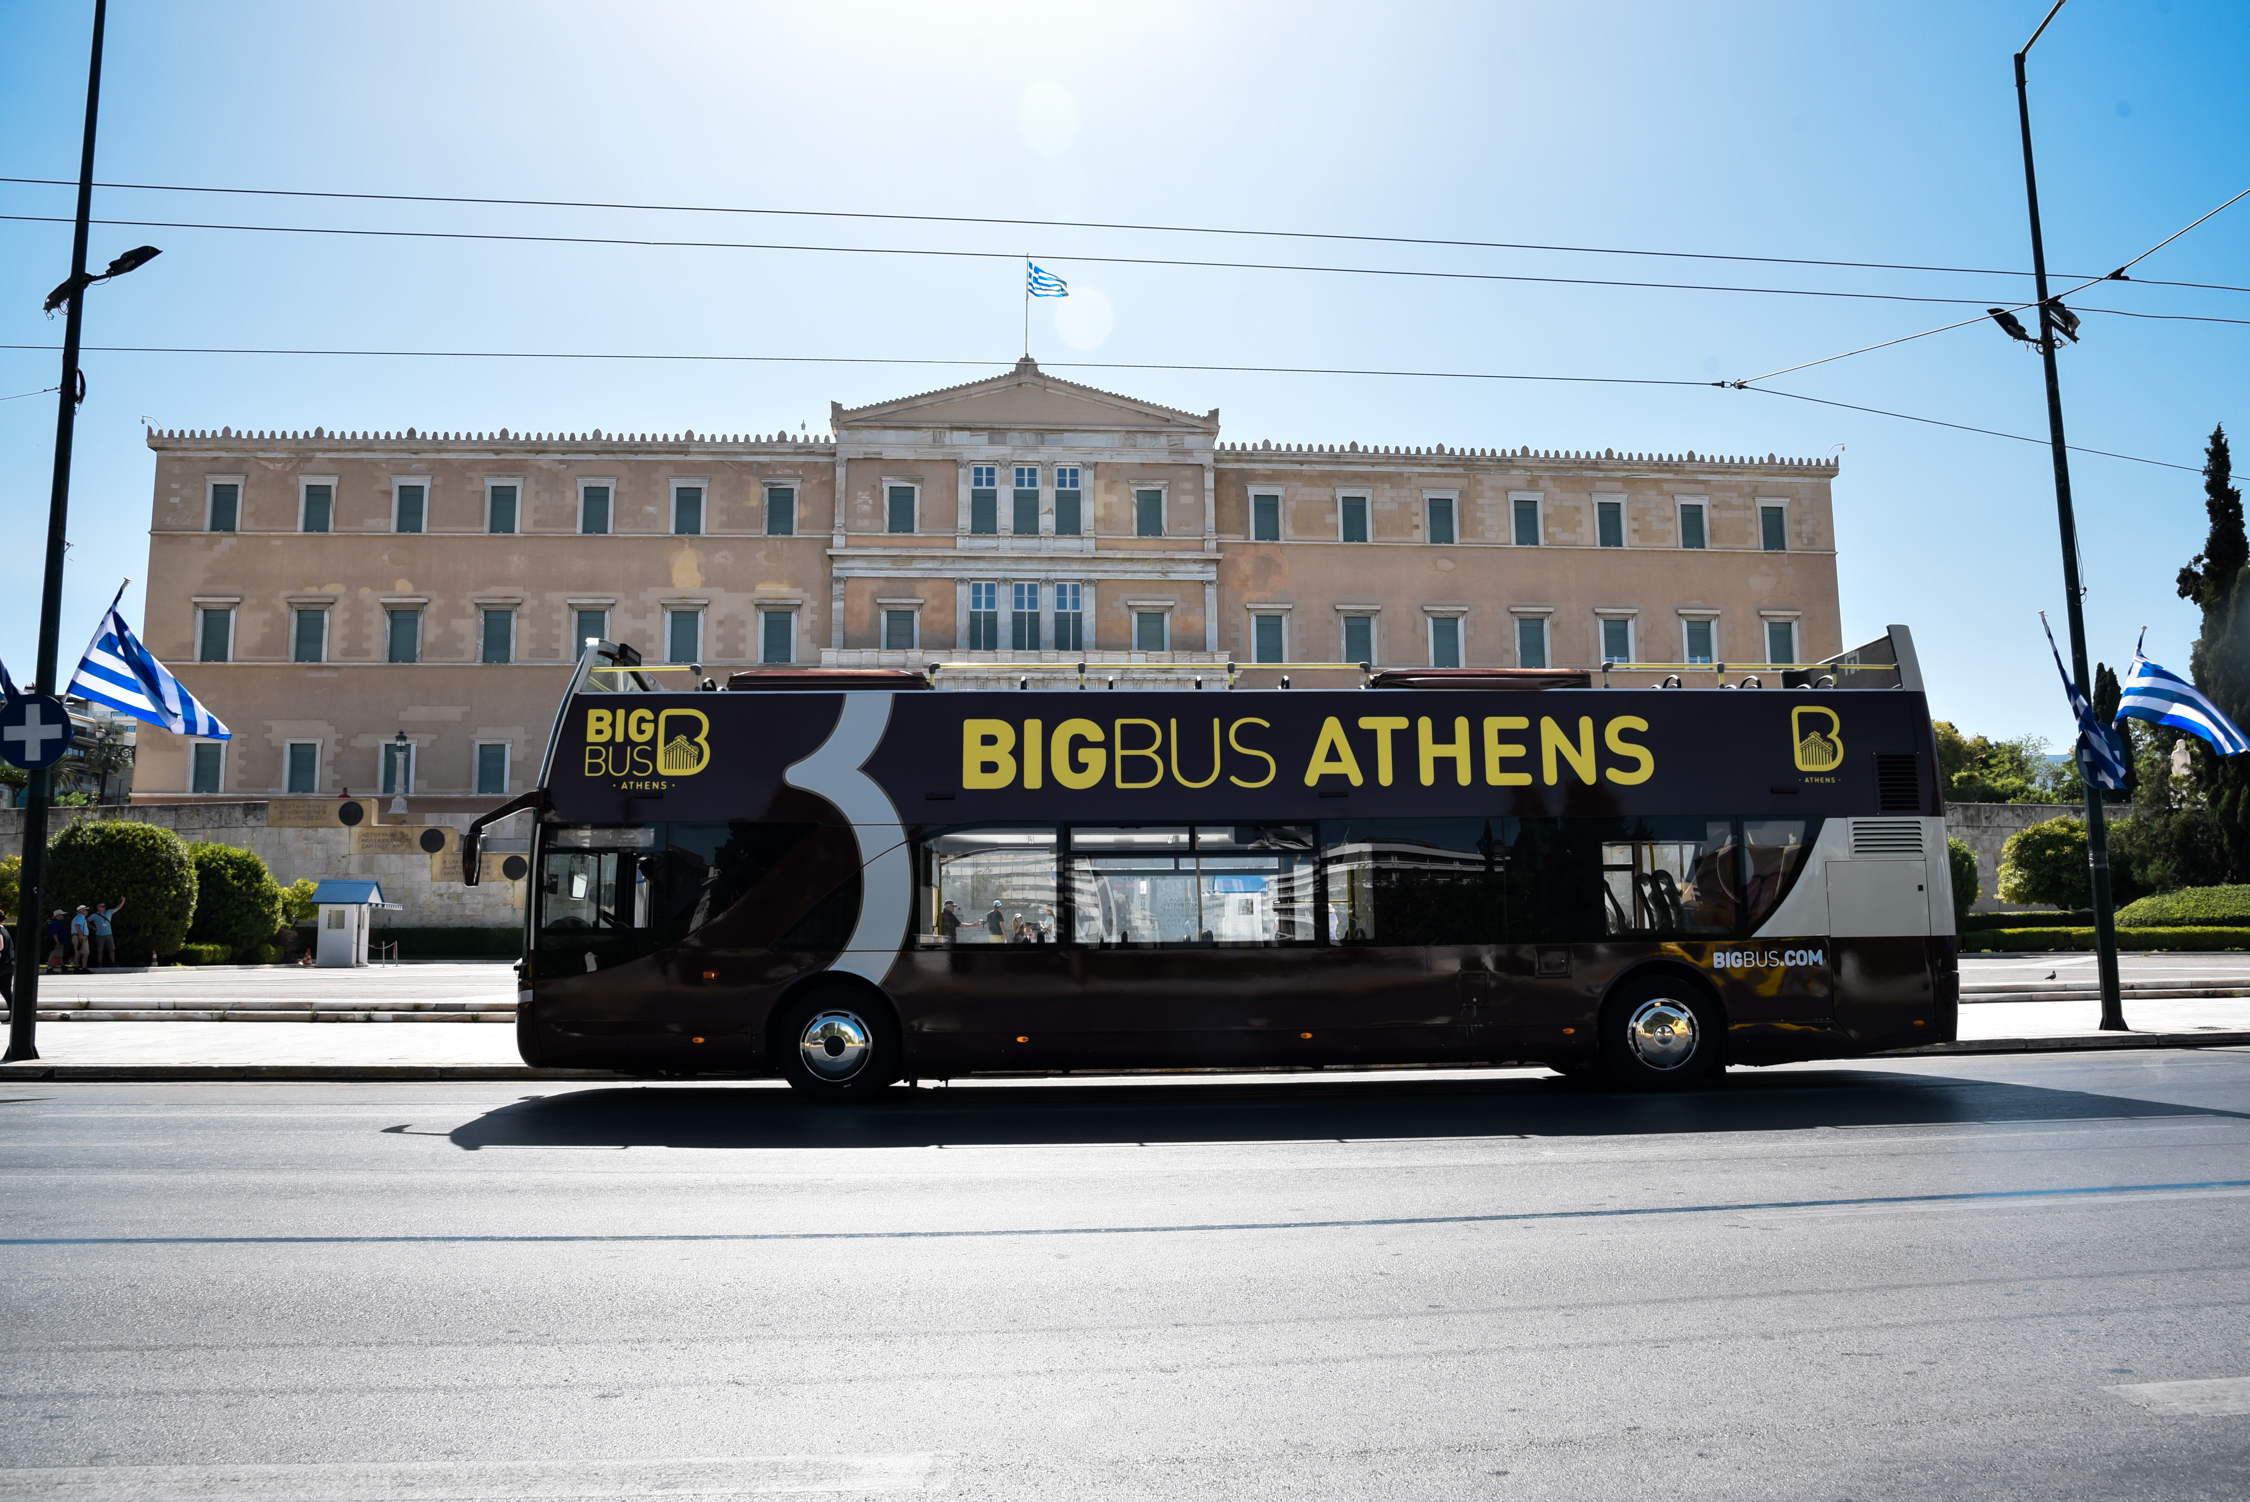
(1985, 827)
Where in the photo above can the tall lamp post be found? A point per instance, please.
(2097, 831)
(31, 899)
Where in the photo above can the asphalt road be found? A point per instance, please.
(1980, 1277)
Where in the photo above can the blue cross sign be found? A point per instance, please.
(35, 731)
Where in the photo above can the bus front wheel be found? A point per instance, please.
(838, 1045)
(1661, 1033)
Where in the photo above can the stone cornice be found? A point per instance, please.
(502, 444)
(1525, 460)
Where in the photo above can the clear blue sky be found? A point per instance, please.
(1868, 132)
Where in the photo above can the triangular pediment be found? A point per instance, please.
(1026, 397)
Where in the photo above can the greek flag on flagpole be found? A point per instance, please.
(119, 672)
(7, 684)
(2163, 697)
(2099, 750)
(1044, 283)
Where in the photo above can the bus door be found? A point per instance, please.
(987, 957)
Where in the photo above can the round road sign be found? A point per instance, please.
(35, 731)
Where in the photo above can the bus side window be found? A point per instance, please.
(1671, 876)
(988, 885)
(1773, 853)
(1417, 881)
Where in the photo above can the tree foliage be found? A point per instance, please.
(1961, 863)
(11, 885)
(2047, 863)
(144, 865)
(2215, 581)
(237, 901)
(1982, 770)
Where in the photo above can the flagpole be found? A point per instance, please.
(1027, 305)
(23, 1013)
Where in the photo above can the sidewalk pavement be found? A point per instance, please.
(421, 1047)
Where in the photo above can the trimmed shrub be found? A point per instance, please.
(1961, 862)
(11, 885)
(2047, 863)
(143, 865)
(2196, 907)
(297, 905)
(237, 901)
(2137, 939)
(204, 954)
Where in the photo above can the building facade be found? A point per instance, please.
(386, 613)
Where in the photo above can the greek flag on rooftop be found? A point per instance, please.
(2163, 697)
(119, 672)
(2099, 750)
(1044, 283)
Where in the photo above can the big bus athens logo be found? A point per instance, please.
(1818, 734)
(637, 748)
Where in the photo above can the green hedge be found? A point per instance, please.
(103, 860)
(2127, 938)
(439, 943)
(2199, 907)
(1977, 922)
(205, 954)
(237, 901)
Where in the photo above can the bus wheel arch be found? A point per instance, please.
(836, 1037)
(1662, 1026)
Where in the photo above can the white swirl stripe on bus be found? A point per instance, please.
(886, 877)
(1384, 1222)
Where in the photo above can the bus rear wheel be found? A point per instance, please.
(837, 1045)
(1661, 1033)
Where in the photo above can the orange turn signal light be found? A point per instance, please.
(1304, 1035)
(710, 975)
(1568, 1031)
(1023, 1040)
(695, 1040)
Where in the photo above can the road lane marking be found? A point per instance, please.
(1967, 1197)
(445, 1480)
(2211, 1397)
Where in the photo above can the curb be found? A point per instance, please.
(41, 1070)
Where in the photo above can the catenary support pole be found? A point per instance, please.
(2097, 831)
(31, 903)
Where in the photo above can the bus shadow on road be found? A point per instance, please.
(1065, 1113)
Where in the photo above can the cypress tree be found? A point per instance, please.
(2220, 664)
(2107, 694)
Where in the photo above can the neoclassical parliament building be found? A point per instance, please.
(326, 593)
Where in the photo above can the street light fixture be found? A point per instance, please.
(79, 281)
(401, 750)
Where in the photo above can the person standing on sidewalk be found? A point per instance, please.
(81, 937)
(58, 940)
(105, 939)
(8, 966)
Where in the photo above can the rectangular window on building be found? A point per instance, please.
(687, 511)
(226, 507)
(901, 514)
(593, 510)
(1023, 618)
(1617, 640)
(207, 771)
(683, 635)
(1445, 641)
(309, 641)
(1070, 618)
(1609, 523)
(1069, 503)
(1359, 638)
(984, 500)
(592, 624)
(777, 636)
(1699, 641)
(1026, 522)
(898, 630)
(398, 769)
(1773, 527)
(500, 509)
(499, 636)
(1266, 638)
(320, 502)
(1441, 518)
(1781, 641)
(492, 767)
(984, 617)
(403, 635)
(412, 501)
(1526, 509)
(301, 763)
(214, 635)
(1151, 629)
(1148, 513)
(1693, 531)
(1531, 641)
(781, 511)
(1354, 518)
(1265, 518)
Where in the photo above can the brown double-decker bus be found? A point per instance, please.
(849, 879)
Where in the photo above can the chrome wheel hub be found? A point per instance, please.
(1661, 1033)
(835, 1045)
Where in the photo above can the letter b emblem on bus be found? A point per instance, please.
(1819, 741)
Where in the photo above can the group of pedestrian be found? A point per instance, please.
(83, 941)
(1024, 929)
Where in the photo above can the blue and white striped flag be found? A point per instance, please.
(119, 672)
(2099, 750)
(2163, 697)
(1044, 283)
(7, 684)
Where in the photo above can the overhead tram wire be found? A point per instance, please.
(1001, 365)
(2117, 275)
(1095, 224)
(1007, 255)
